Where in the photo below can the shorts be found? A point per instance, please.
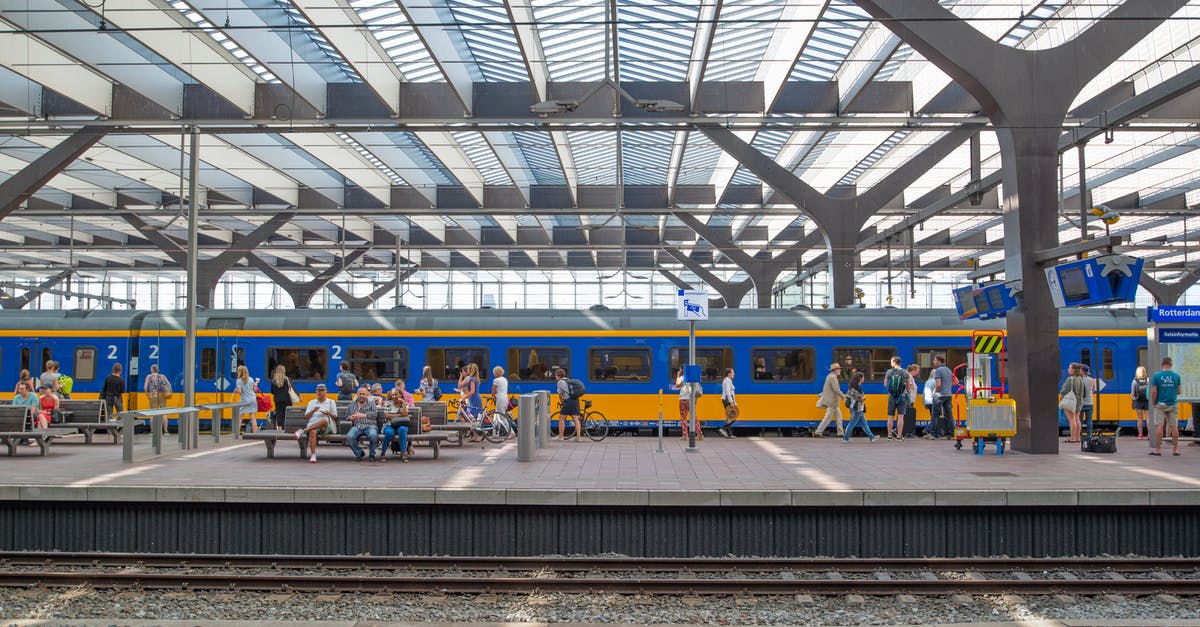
(1143, 404)
(897, 405)
(570, 407)
(328, 428)
(1165, 413)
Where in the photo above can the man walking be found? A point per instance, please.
(831, 399)
(941, 413)
(1164, 390)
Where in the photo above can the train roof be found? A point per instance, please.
(20, 320)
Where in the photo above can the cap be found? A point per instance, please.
(835, 366)
(321, 386)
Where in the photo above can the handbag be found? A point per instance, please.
(1068, 402)
(437, 393)
(426, 426)
(295, 398)
(166, 389)
(511, 405)
(731, 412)
(264, 402)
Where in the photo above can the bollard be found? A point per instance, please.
(526, 442)
(542, 417)
(660, 426)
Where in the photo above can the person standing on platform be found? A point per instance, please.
(1074, 385)
(346, 383)
(470, 399)
(941, 415)
(49, 378)
(321, 414)
(685, 406)
(1139, 391)
(1089, 391)
(156, 387)
(281, 392)
(113, 392)
(897, 381)
(914, 393)
(569, 410)
(427, 387)
(404, 394)
(831, 399)
(729, 400)
(247, 399)
(858, 408)
(363, 413)
(500, 389)
(24, 378)
(1164, 391)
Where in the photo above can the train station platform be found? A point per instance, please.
(751, 495)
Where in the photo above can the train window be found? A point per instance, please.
(447, 363)
(85, 363)
(208, 364)
(25, 358)
(783, 364)
(1085, 357)
(620, 364)
(1106, 363)
(1142, 357)
(378, 364)
(536, 363)
(301, 363)
(954, 358)
(872, 362)
(713, 361)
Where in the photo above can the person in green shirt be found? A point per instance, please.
(1164, 392)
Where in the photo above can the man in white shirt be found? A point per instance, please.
(729, 401)
(322, 418)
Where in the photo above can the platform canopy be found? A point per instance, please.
(493, 141)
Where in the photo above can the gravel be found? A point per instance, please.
(84, 603)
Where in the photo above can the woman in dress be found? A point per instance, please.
(247, 398)
(427, 387)
(47, 405)
(281, 388)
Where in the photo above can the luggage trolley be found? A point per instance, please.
(990, 416)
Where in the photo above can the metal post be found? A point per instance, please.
(540, 419)
(660, 438)
(1083, 193)
(691, 447)
(526, 406)
(189, 342)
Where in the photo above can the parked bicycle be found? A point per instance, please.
(595, 424)
(486, 422)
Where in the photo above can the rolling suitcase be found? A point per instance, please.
(910, 422)
(1095, 442)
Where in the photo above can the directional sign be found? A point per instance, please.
(691, 305)
(221, 384)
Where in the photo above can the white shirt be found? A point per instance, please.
(500, 385)
(727, 390)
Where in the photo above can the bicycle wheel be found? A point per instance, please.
(596, 426)
(495, 427)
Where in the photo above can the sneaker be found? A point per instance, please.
(723, 432)
(312, 459)
(731, 435)
(817, 434)
(927, 436)
(358, 458)
(845, 440)
(873, 439)
(891, 437)
(371, 459)
(699, 436)
(300, 435)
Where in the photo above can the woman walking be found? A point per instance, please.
(858, 408)
(248, 400)
(281, 391)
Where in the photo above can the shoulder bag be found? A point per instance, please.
(1069, 401)
(295, 398)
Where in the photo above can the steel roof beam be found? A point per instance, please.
(362, 302)
(341, 26)
(301, 293)
(23, 184)
(34, 59)
(18, 302)
(444, 45)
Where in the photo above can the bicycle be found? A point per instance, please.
(595, 424)
(492, 425)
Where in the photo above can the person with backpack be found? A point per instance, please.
(1140, 394)
(858, 407)
(427, 387)
(570, 404)
(346, 383)
(898, 382)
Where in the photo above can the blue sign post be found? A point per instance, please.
(691, 305)
(1174, 331)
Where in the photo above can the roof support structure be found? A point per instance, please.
(731, 293)
(1166, 294)
(17, 302)
(32, 177)
(302, 293)
(209, 273)
(362, 302)
(1027, 103)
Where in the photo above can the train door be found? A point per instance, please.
(217, 359)
(1101, 357)
(33, 353)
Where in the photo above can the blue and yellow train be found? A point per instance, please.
(625, 357)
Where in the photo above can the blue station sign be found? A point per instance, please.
(1179, 336)
(1174, 313)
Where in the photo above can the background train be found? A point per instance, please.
(626, 357)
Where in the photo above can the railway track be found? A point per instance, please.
(706, 576)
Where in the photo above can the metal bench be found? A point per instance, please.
(294, 419)
(88, 417)
(13, 420)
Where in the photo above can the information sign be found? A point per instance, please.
(691, 305)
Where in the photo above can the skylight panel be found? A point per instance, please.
(595, 155)
(389, 25)
(372, 159)
(831, 42)
(742, 36)
(237, 51)
(874, 156)
(699, 158)
(322, 46)
(572, 34)
(646, 156)
(482, 157)
(1033, 20)
(655, 38)
(418, 152)
(539, 153)
(484, 26)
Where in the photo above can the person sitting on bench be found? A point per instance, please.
(321, 414)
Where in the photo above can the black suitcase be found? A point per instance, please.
(910, 422)
(1098, 444)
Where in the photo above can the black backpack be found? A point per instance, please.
(1140, 387)
(895, 383)
(575, 388)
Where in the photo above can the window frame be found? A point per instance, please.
(773, 380)
(271, 362)
(727, 359)
(923, 373)
(213, 361)
(514, 374)
(75, 362)
(892, 351)
(485, 372)
(407, 361)
(649, 361)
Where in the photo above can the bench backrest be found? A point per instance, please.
(14, 417)
(434, 410)
(84, 410)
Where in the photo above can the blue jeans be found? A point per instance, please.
(858, 418)
(398, 432)
(1085, 417)
(941, 416)
(372, 433)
